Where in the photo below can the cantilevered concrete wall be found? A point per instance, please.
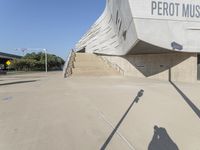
(127, 25)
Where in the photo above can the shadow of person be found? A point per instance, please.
(161, 140)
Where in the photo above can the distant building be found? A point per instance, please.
(148, 38)
(4, 57)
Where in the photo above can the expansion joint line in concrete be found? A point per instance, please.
(115, 129)
(117, 132)
(103, 117)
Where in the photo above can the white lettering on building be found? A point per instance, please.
(161, 8)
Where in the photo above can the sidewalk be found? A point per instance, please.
(82, 112)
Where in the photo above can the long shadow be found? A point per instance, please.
(161, 140)
(187, 100)
(136, 100)
(17, 82)
(198, 71)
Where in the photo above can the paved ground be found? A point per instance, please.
(47, 112)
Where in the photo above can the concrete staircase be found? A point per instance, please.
(86, 64)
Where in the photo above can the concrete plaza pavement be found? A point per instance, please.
(47, 112)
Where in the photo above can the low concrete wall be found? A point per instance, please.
(156, 66)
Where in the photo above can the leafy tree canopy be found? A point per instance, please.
(36, 62)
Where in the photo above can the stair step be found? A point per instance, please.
(86, 56)
(91, 65)
(95, 73)
(92, 70)
(89, 61)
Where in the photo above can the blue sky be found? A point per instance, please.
(52, 24)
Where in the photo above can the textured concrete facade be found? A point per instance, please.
(180, 66)
(132, 26)
(148, 38)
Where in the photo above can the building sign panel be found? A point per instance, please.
(185, 10)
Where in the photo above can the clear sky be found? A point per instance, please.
(52, 24)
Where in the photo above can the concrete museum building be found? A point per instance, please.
(157, 39)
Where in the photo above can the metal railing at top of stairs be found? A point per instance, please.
(69, 64)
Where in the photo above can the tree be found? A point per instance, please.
(36, 62)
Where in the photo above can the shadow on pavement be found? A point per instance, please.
(187, 100)
(161, 140)
(136, 100)
(17, 82)
(198, 74)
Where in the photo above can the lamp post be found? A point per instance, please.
(36, 49)
(46, 67)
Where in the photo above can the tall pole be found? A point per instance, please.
(45, 51)
(46, 69)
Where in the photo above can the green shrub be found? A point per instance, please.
(36, 62)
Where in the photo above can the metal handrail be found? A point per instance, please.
(115, 66)
(69, 64)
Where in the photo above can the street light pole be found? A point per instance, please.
(45, 51)
(46, 67)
